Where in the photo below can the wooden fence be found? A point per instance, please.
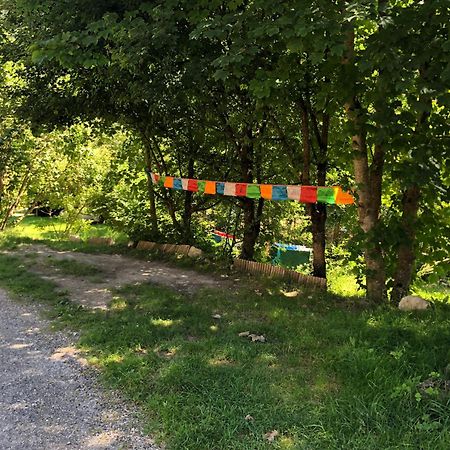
(279, 272)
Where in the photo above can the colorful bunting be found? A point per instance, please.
(201, 186)
(177, 184)
(193, 185)
(220, 188)
(279, 193)
(343, 198)
(210, 187)
(293, 193)
(308, 194)
(266, 191)
(230, 189)
(253, 191)
(326, 195)
(241, 189)
(304, 194)
(168, 182)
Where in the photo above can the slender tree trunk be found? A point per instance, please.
(369, 183)
(318, 211)
(252, 212)
(405, 254)
(187, 213)
(318, 221)
(150, 188)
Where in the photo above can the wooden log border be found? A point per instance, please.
(279, 272)
(185, 250)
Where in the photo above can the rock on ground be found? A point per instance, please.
(413, 303)
(48, 399)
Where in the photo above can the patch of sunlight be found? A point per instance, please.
(432, 291)
(118, 304)
(324, 385)
(164, 322)
(61, 353)
(269, 359)
(220, 361)
(372, 322)
(276, 313)
(113, 358)
(343, 282)
(286, 442)
(214, 328)
(102, 440)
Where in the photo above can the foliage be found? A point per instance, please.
(216, 91)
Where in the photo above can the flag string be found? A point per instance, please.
(304, 194)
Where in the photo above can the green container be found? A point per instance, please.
(290, 256)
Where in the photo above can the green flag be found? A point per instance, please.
(253, 191)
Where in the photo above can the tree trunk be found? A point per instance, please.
(405, 253)
(252, 213)
(151, 189)
(251, 229)
(187, 212)
(318, 211)
(369, 183)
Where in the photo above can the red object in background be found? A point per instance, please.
(223, 235)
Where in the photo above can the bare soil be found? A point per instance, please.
(115, 271)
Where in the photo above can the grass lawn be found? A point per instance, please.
(331, 374)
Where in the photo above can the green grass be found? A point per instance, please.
(50, 231)
(77, 269)
(329, 376)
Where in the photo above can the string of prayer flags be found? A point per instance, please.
(277, 192)
(253, 191)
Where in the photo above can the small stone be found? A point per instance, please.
(271, 435)
(248, 417)
(244, 334)
(195, 252)
(216, 316)
(413, 303)
(257, 338)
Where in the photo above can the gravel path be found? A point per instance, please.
(48, 399)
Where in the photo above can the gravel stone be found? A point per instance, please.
(49, 398)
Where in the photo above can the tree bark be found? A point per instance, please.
(405, 254)
(187, 212)
(318, 211)
(252, 212)
(151, 190)
(369, 185)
